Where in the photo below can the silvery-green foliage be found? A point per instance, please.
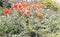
(19, 25)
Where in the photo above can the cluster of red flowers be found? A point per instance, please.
(20, 7)
(37, 6)
(7, 11)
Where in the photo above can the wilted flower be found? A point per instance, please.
(37, 6)
(27, 12)
(34, 6)
(28, 7)
(24, 4)
(10, 11)
(41, 6)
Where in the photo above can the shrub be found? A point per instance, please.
(34, 22)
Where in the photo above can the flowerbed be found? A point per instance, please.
(24, 20)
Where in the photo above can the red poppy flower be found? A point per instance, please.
(19, 5)
(5, 11)
(14, 5)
